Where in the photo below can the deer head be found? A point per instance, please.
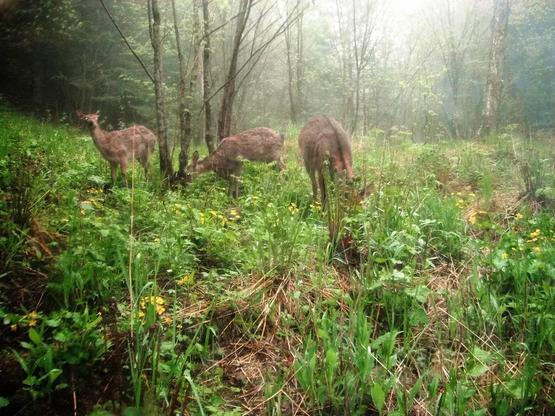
(198, 167)
(91, 119)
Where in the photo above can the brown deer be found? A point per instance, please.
(119, 147)
(321, 139)
(259, 144)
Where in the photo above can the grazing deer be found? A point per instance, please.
(322, 139)
(119, 147)
(259, 144)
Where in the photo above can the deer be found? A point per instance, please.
(119, 147)
(323, 139)
(260, 144)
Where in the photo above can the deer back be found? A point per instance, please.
(137, 140)
(259, 144)
(323, 137)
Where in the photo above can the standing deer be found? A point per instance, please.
(259, 144)
(322, 139)
(119, 147)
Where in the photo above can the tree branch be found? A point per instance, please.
(125, 40)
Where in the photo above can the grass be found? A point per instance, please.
(435, 295)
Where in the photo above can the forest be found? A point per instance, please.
(277, 207)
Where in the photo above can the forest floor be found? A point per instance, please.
(434, 295)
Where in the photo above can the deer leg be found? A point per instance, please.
(322, 184)
(312, 175)
(124, 171)
(114, 170)
(280, 164)
(235, 175)
(146, 167)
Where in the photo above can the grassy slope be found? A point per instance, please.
(438, 298)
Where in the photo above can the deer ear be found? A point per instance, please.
(79, 113)
(97, 112)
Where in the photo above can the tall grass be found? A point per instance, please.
(432, 296)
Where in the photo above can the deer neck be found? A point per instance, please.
(99, 136)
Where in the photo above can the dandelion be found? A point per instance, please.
(33, 315)
(534, 235)
(293, 209)
(234, 214)
(185, 279)
(315, 206)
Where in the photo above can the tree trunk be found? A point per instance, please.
(292, 100)
(208, 136)
(295, 69)
(494, 83)
(300, 65)
(184, 110)
(224, 118)
(156, 39)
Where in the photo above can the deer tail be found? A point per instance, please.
(340, 145)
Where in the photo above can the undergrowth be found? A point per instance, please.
(434, 295)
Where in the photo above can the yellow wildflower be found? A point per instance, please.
(234, 214)
(33, 315)
(167, 319)
(185, 279)
(519, 216)
(32, 322)
(13, 327)
(293, 209)
(535, 234)
(504, 256)
(537, 249)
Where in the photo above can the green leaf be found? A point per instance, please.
(378, 396)
(3, 402)
(331, 358)
(477, 370)
(35, 336)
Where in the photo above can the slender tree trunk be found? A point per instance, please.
(300, 66)
(224, 118)
(156, 39)
(295, 69)
(208, 135)
(290, 76)
(494, 83)
(184, 111)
